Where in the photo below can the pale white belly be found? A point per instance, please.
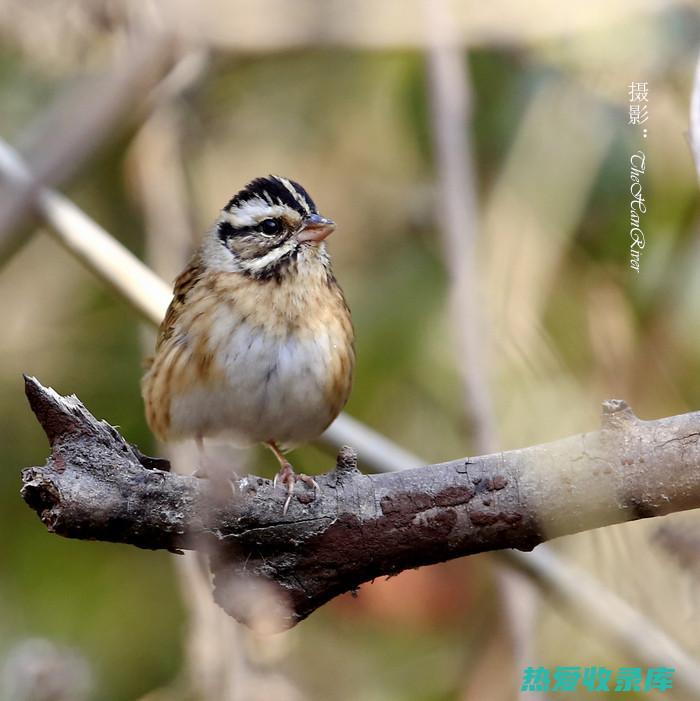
(270, 390)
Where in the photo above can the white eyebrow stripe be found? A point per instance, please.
(296, 195)
(251, 212)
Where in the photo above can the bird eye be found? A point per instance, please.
(270, 226)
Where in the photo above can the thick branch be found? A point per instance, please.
(97, 486)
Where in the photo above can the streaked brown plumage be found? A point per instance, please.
(257, 343)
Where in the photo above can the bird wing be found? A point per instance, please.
(184, 283)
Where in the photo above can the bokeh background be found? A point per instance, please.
(150, 115)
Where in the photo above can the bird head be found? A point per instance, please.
(268, 228)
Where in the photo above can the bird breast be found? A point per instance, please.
(261, 361)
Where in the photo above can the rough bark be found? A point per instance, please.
(97, 486)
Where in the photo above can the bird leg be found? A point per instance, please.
(207, 469)
(287, 477)
(201, 470)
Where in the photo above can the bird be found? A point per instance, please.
(257, 345)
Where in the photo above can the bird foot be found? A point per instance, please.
(288, 478)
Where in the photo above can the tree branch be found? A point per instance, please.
(97, 486)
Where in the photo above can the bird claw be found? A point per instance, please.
(288, 478)
(309, 481)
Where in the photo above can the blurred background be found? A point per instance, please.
(150, 115)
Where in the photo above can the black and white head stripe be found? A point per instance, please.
(274, 190)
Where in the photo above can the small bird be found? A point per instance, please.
(257, 344)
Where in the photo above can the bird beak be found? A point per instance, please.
(315, 228)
